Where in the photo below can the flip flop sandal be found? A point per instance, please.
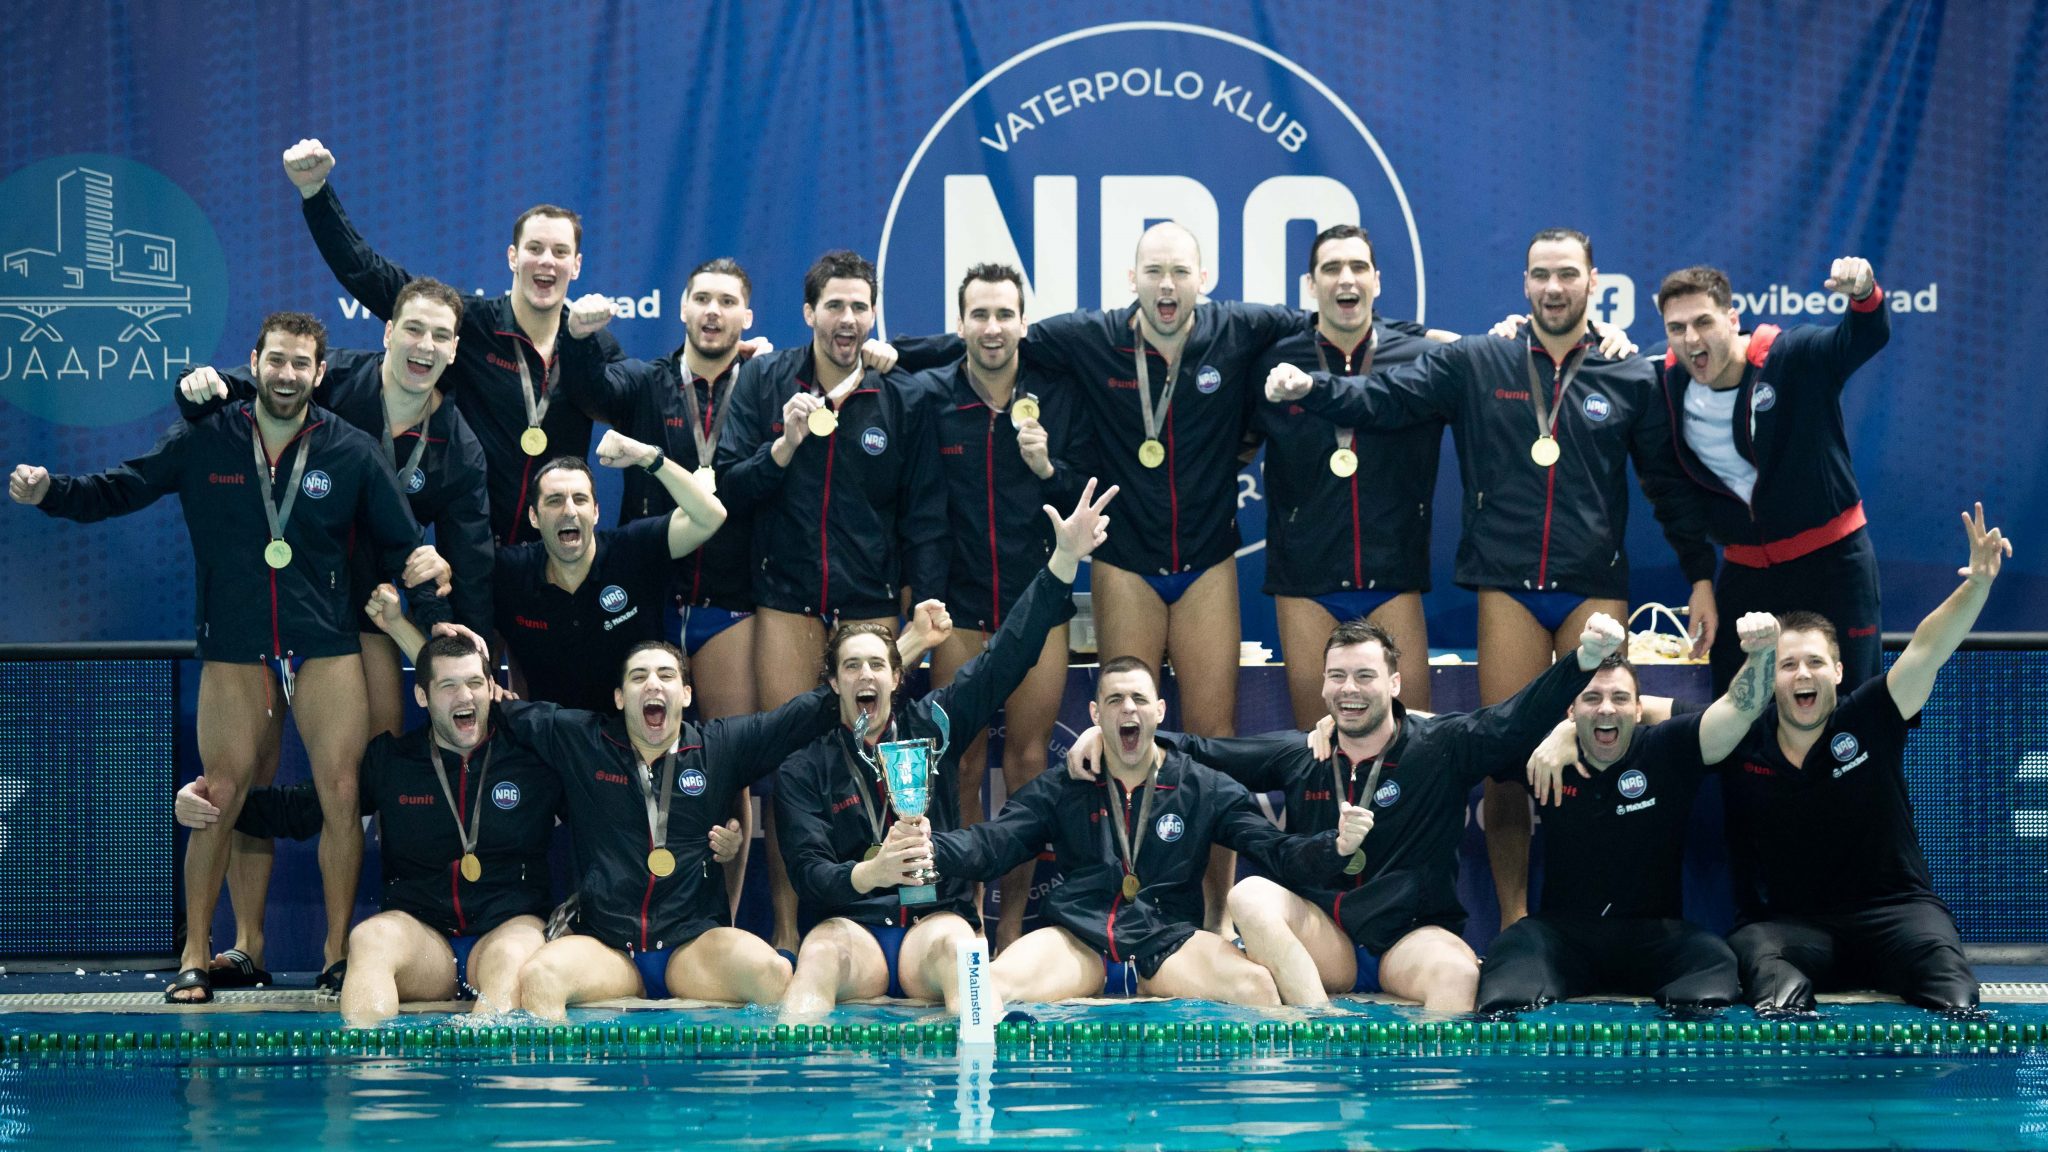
(190, 978)
(330, 981)
(238, 972)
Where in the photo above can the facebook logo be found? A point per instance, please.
(1614, 299)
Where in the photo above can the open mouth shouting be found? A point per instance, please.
(1348, 301)
(544, 283)
(1128, 740)
(868, 702)
(654, 713)
(1168, 310)
(463, 720)
(419, 369)
(1607, 735)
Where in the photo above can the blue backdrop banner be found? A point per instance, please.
(146, 224)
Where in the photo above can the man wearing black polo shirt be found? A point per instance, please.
(465, 825)
(574, 601)
(1611, 919)
(1831, 888)
(1546, 426)
(1756, 420)
(506, 375)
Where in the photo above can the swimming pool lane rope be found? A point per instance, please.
(1034, 1040)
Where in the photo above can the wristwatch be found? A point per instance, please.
(655, 464)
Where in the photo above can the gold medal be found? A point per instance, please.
(873, 851)
(1130, 886)
(533, 441)
(472, 868)
(1544, 451)
(1343, 462)
(1356, 864)
(661, 861)
(1151, 453)
(277, 554)
(707, 477)
(822, 421)
(1024, 408)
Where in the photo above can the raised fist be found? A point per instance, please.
(308, 163)
(29, 484)
(1852, 277)
(1286, 383)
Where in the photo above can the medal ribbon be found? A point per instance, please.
(467, 832)
(704, 429)
(1372, 783)
(877, 817)
(657, 817)
(1123, 834)
(1139, 366)
(1345, 436)
(537, 410)
(1546, 414)
(419, 450)
(277, 514)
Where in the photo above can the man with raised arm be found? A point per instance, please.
(393, 395)
(1612, 916)
(1391, 921)
(273, 490)
(465, 823)
(1133, 850)
(572, 602)
(1756, 420)
(1831, 888)
(835, 810)
(506, 377)
(1546, 426)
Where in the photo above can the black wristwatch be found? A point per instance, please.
(655, 464)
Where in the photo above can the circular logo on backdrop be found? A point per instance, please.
(505, 794)
(1765, 399)
(691, 781)
(1844, 747)
(1387, 794)
(317, 484)
(1633, 783)
(1597, 407)
(874, 441)
(612, 598)
(1169, 827)
(1208, 380)
(115, 284)
(1057, 158)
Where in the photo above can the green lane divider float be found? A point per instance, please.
(1024, 1041)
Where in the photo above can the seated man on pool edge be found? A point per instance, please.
(1133, 850)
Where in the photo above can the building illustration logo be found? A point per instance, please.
(114, 283)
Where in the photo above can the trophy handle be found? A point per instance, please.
(944, 723)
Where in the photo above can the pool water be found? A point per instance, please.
(1156, 1095)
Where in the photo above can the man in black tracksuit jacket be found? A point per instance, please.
(1756, 421)
(442, 929)
(833, 809)
(857, 515)
(496, 339)
(267, 604)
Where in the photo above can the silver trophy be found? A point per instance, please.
(906, 770)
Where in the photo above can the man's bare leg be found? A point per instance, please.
(928, 963)
(839, 960)
(722, 672)
(495, 961)
(1432, 967)
(1513, 650)
(1207, 967)
(728, 965)
(250, 858)
(233, 719)
(962, 645)
(789, 652)
(394, 958)
(383, 685)
(1305, 628)
(1202, 643)
(330, 712)
(1047, 966)
(1032, 711)
(1309, 956)
(575, 970)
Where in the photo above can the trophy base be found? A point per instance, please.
(917, 894)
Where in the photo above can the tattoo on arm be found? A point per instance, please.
(1743, 691)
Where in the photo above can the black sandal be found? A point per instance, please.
(330, 981)
(238, 972)
(200, 978)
